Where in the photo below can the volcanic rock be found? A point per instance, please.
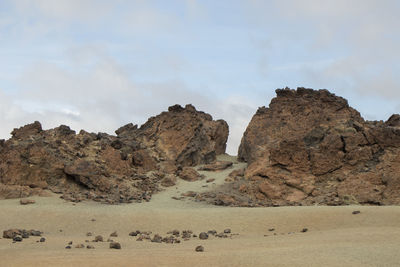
(111, 169)
(203, 235)
(217, 166)
(190, 174)
(199, 249)
(27, 201)
(310, 147)
(115, 245)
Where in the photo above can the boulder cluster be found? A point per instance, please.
(113, 169)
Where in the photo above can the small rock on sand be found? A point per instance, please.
(90, 247)
(304, 230)
(356, 212)
(80, 246)
(115, 245)
(98, 238)
(199, 249)
(203, 235)
(42, 240)
(26, 201)
(114, 234)
(227, 231)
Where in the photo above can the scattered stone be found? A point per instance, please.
(110, 240)
(98, 238)
(115, 245)
(227, 231)
(210, 180)
(70, 243)
(11, 233)
(186, 234)
(203, 235)
(35, 233)
(26, 201)
(42, 239)
(190, 174)
(222, 235)
(304, 230)
(212, 232)
(89, 234)
(90, 247)
(80, 246)
(271, 229)
(68, 247)
(17, 239)
(199, 249)
(356, 212)
(189, 194)
(157, 238)
(175, 232)
(217, 166)
(24, 234)
(114, 234)
(93, 220)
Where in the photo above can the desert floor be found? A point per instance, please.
(335, 236)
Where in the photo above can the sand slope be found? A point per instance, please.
(335, 236)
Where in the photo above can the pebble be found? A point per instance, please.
(42, 240)
(203, 235)
(90, 247)
(304, 230)
(115, 245)
(68, 247)
(114, 234)
(17, 239)
(98, 238)
(356, 212)
(199, 249)
(227, 231)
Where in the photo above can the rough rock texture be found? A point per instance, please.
(113, 169)
(310, 147)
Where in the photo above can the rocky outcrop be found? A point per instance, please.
(123, 168)
(310, 147)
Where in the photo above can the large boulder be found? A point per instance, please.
(309, 146)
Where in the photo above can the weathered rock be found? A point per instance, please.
(217, 166)
(42, 239)
(115, 245)
(27, 201)
(203, 235)
(190, 174)
(106, 168)
(11, 233)
(199, 249)
(114, 234)
(98, 238)
(310, 147)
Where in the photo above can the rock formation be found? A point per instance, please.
(123, 168)
(310, 147)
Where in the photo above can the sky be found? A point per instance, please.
(100, 64)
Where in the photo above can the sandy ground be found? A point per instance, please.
(335, 236)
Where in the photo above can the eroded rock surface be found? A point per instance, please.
(311, 147)
(113, 169)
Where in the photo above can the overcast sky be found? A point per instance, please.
(99, 64)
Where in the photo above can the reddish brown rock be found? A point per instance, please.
(190, 174)
(27, 201)
(311, 147)
(217, 166)
(111, 169)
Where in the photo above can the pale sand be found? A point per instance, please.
(335, 236)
